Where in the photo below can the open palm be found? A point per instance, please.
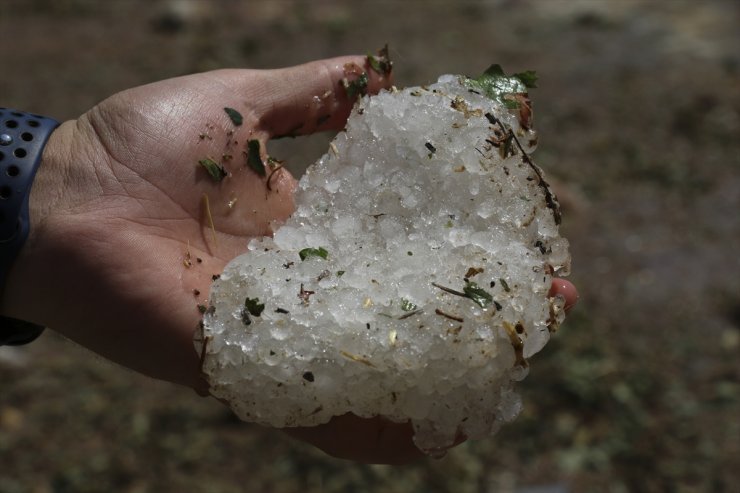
(129, 238)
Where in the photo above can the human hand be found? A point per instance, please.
(121, 251)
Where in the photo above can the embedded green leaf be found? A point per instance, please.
(479, 295)
(313, 252)
(357, 86)
(495, 84)
(254, 307)
(504, 284)
(528, 78)
(407, 306)
(374, 63)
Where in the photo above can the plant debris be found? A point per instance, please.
(495, 84)
(254, 306)
(517, 344)
(410, 314)
(276, 166)
(187, 261)
(472, 291)
(479, 295)
(305, 295)
(504, 284)
(254, 159)
(447, 315)
(357, 86)
(215, 170)
(528, 78)
(357, 358)
(235, 116)
(550, 198)
(509, 90)
(313, 252)
(207, 208)
(381, 63)
(461, 105)
(407, 306)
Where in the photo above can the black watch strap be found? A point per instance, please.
(22, 140)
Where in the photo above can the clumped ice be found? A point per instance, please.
(434, 289)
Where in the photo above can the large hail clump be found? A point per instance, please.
(411, 282)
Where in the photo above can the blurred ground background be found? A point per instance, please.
(639, 116)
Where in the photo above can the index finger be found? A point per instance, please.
(315, 96)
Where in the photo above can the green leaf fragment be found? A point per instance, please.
(479, 295)
(374, 63)
(357, 86)
(313, 252)
(235, 116)
(498, 86)
(340, 273)
(254, 160)
(215, 170)
(504, 284)
(407, 306)
(254, 307)
(528, 78)
(511, 104)
(381, 63)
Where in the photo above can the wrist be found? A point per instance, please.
(23, 137)
(67, 187)
(18, 297)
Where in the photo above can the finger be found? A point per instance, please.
(312, 97)
(367, 440)
(397, 437)
(566, 289)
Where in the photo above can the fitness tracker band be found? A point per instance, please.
(22, 140)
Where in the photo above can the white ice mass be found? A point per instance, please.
(411, 282)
